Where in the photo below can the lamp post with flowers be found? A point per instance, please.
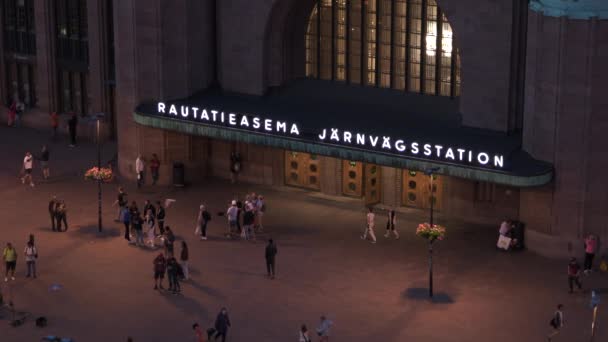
(99, 174)
(429, 231)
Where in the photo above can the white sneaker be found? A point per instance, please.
(22, 180)
(5, 279)
(12, 278)
(386, 235)
(362, 237)
(374, 241)
(32, 185)
(203, 238)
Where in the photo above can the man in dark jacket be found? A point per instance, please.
(52, 206)
(271, 252)
(72, 124)
(160, 265)
(222, 323)
(160, 217)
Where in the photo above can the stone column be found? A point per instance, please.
(46, 68)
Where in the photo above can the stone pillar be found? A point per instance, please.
(46, 68)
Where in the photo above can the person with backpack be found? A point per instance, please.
(31, 254)
(248, 221)
(28, 165)
(574, 274)
(9, 255)
(557, 322)
(137, 225)
(270, 254)
(160, 265)
(203, 219)
(173, 272)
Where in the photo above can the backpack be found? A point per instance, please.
(206, 216)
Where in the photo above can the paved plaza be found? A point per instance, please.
(370, 292)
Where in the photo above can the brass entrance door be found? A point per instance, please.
(372, 188)
(352, 178)
(302, 170)
(417, 190)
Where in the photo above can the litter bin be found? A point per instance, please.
(518, 233)
(178, 174)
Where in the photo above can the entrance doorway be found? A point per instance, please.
(302, 170)
(361, 180)
(417, 190)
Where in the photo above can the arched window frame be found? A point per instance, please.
(380, 43)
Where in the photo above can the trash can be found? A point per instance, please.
(518, 234)
(178, 174)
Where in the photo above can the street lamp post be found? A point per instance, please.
(431, 172)
(99, 225)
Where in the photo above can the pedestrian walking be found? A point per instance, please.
(590, 248)
(390, 224)
(160, 265)
(248, 222)
(222, 323)
(52, 213)
(45, 156)
(557, 322)
(574, 272)
(173, 271)
(154, 166)
(139, 168)
(150, 220)
(12, 114)
(160, 217)
(137, 225)
(235, 166)
(61, 214)
(28, 165)
(169, 239)
(304, 334)
(9, 255)
(126, 220)
(72, 125)
(324, 329)
(54, 123)
(270, 255)
(198, 333)
(231, 214)
(369, 230)
(261, 210)
(202, 220)
(183, 260)
(122, 202)
(31, 255)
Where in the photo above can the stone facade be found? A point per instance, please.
(167, 50)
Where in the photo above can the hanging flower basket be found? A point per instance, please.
(104, 174)
(436, 232)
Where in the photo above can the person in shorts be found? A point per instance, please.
(160, 265)
(9, 255)
(28, 165)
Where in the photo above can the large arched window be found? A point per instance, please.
(399, 44)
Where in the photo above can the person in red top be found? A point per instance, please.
(574, 272)
(590, 247)
(54, 123)
(200, 336)
(154, 165)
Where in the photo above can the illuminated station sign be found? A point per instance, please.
(333, 136)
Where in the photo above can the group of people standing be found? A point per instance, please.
(58, 213)
(140, 169)
(175, 271)
(245, 219)
(9, 256)
(28, 166)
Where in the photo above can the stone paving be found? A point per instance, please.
(371, 292)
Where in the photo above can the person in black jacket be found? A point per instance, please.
(222, 323)
(72, 124)
(160, 217)
(271, 252)
(53, 213)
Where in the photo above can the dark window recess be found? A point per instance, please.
(19, 28)
(485, 192)
(71, 31)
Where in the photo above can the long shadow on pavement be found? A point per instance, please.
(418, 293)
